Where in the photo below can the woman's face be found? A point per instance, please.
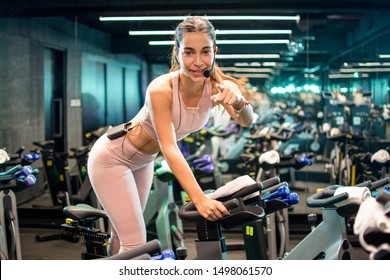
(195, 54)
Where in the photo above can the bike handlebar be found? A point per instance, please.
(327, 197)
(189, 213)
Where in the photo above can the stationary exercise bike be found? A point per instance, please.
(329, 240)
(161, 212)
(246, 200)
(372, 225)
(16, 177)
(81, 220)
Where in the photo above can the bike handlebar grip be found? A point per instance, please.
(324, 198)
(274, 188)
(383, 197)
(367, 184)
(269, 183)
(12, 170)
(188, 212)
(152, 247)
(380, 183)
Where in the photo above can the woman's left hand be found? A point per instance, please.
(226, 95)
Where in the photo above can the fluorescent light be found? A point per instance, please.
(152, 32)
(251, 32)
(249, 42)
(173, 18)
(227, 42)
(142, 18)
(371, 64)
(258, 64)
(368, 64)
(345, 76)
(250, 75)
(219, 32)
(161, 43)
(269, 64)
(352, 70)
(251, 70)
(246, 64)
(384, 56)
(246, 56)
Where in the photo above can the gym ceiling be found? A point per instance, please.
(326, 34)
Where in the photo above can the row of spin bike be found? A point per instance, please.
(250, 202)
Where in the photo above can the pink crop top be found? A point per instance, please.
(185, 119)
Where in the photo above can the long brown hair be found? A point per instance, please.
(197, 24)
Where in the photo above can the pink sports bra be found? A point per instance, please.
(185, 119)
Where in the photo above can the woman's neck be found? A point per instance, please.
(189, 87)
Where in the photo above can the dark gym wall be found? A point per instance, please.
(22, 45)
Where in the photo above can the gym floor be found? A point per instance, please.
(66, 250)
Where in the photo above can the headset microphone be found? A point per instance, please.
(206, 73)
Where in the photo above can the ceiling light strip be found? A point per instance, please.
(174, 18)
(250, 75)
(246, 56)
(345, 76)
(353, 70)
(250, 70)
(250, 42)
(227, 42)
(219, 32)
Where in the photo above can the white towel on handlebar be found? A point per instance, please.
(233, 187)
(356, 195)
(371, 215)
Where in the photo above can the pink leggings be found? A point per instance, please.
(121, 177)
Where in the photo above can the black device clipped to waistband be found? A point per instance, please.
(119, 130)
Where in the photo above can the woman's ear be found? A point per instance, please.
(176, 52)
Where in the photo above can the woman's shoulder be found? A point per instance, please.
(162, 83)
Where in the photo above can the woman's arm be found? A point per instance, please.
(160, 100)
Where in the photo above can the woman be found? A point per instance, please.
(176, 104)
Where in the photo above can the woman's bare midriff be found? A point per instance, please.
(142, 141)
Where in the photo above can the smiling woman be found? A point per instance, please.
(176, 104)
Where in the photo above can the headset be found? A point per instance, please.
(207, 73)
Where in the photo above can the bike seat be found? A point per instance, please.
(83, 211)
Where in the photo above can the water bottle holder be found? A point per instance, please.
(241, 216)
(274, 205)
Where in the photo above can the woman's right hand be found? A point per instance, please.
(210, 209)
